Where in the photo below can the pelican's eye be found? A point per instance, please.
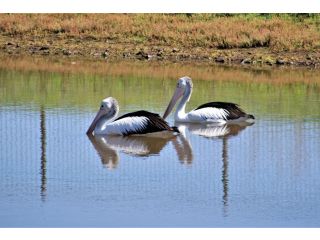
(101, 106)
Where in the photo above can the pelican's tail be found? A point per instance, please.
(175, 129)
(250, 116)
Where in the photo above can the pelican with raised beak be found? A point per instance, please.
(219, 112)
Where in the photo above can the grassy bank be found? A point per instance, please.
(225, 38)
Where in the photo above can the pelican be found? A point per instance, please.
(139, 122)
(219, 112)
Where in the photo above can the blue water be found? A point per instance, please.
(53, 175)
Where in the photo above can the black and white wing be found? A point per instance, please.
(217, 111)
(140, 122)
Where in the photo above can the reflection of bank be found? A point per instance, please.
(43, 158)
(108, 146)
(216, 131)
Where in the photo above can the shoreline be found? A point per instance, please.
(90, 50)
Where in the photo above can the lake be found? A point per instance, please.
(54, 175)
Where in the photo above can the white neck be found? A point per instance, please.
(180, 114)
(103, 122)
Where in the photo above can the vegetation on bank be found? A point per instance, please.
(277, 31)
(92, 34)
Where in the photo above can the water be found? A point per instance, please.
(53, 175)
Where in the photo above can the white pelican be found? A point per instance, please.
(221, 112)
(140, 122)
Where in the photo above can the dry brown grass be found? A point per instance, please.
(199, 30)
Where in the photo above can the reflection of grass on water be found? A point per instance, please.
(164, 70)
(135, 85)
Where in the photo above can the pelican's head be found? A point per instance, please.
(184, 87)
(109, 104)
(185, 82)
(108, 108)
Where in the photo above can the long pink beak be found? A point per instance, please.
(178, 93)
(94, 122)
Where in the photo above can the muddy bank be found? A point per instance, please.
(94, 49)
(91, 48)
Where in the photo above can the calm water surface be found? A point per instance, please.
(53, 175)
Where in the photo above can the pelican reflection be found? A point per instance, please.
(217, 131)
(214, 130)
(183, 147)
(142, 146)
